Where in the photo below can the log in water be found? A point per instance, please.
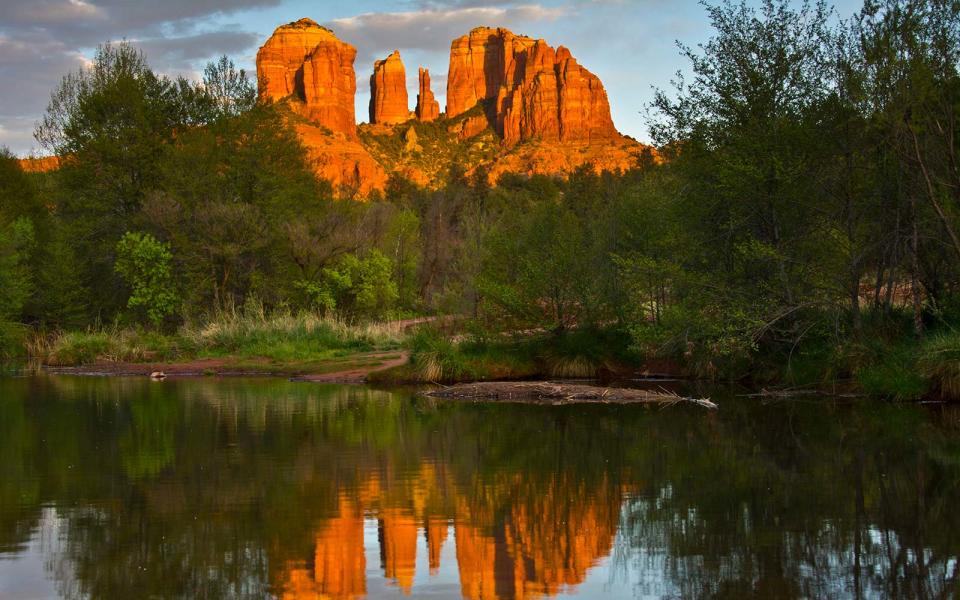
(561, 393)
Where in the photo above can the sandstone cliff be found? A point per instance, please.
(529, 90)
(388, 91)
(306, 63)
(428, 108)
(42, 164)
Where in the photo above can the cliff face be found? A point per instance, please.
(308, 64)
(428, 108)
(530, 91)
(388, 91)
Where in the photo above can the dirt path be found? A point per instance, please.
(359, 374)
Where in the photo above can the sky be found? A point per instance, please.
(629, 44)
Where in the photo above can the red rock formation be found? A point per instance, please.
(42, 164)
(308, 64)
(530, 90)
(428, 108)
(343, 162)
(388, 91)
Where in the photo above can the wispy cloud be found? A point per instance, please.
(432, 29)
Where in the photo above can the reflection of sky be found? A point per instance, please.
(25, 576)
(629, 44)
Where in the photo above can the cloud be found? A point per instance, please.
(42, 40)
(431, 29)
(183, 53)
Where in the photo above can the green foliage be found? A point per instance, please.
(363, 287)
(229, 89)
(537, 269)
(16, 243)
(144, 263)
(894, 375)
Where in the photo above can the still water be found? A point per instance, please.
(125, 488)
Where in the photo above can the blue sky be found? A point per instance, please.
(629, 44)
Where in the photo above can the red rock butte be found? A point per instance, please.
(542, 112)
(388, 91)
(530, 91)
(514, 105)
(428, 109)
(306, 63)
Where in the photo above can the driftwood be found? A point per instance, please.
(561, 393)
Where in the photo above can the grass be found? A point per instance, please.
(244, 337)
(939, 364)
(442, 358)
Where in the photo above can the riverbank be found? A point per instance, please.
(883, 360)
(353, 368)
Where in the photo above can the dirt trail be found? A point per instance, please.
(359, 374)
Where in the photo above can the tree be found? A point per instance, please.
(110, 124)
(536, 269)
(743, 136)
(361, 286)
(144, 263)
(229, 88)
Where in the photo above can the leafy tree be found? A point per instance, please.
(229, 88)
(16, 242)
(110, 123)
(536, 270)
(360, 286)
(144, 263)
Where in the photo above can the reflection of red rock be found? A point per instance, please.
(475, 559)
(436, 531)
(388, 91)
(398, 547)
(339, 562)
(515, 538)
(532, 91)
(546, 541)
(306, 63)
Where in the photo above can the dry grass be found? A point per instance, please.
(282, 337)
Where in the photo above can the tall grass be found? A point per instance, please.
(939, 362)
(287, 336)
(248, 333)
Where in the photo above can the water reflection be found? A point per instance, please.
(248, 489)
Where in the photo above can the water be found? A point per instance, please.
(125, 488)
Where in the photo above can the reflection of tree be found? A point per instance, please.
(147, 446)
(795, 501)
(241, 489)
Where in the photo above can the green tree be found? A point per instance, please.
(360, 286)
(16, 281)
(230, 90)
(536, 269)
(110, 123)
(144, 263)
